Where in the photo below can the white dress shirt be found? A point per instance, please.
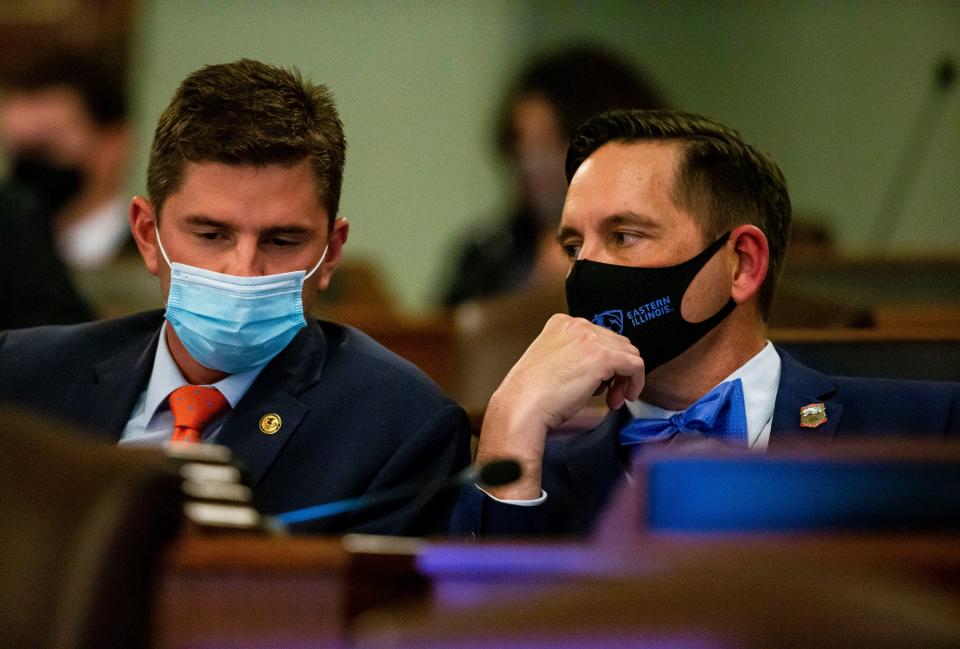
(95, 240)
(760, 377)
(151, 422)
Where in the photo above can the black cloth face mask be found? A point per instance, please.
(52, 185)
(643, 304)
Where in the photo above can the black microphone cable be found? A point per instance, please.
(908, 164)
(492, 474)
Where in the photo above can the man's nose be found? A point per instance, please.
(245, 260)
(591, 250)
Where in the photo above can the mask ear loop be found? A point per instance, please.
(322, 257)
(160, 245)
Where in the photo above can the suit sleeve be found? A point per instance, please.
(438, 449)
(476, 515)
(953, 419)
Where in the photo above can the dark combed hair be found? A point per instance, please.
(578, 81)
(248, 113)
(722, 181)
(97, 80)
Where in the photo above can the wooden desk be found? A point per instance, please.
(682, 591)
(234, 590)
(244, 590)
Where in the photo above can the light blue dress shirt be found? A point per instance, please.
(151, 422)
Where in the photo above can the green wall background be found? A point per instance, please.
(831, 89)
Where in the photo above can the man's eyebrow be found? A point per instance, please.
(634, 219)
(615, 220)
(202, 220)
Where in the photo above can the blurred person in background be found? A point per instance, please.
(66, 138)
(508, 278)
(35, 285)
(553, 94)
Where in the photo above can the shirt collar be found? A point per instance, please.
(167, 377)
(760, 377)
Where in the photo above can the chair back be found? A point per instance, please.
(932, 355)
(81, 531)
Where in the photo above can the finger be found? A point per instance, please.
(604, 385)
(615, 395)
(599, 333)
(614, 339)
(622, 363)
(627, 382)
(634, 386)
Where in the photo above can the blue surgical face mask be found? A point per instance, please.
(234, 324)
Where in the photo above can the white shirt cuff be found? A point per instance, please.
(520, 503)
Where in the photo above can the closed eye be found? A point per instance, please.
(282, 242)
(286, 237)
(210, 235)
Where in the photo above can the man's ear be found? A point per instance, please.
(751, 261)
(335, 243)
(143, 226)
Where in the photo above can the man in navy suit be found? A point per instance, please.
(676, 231)
(241, 227)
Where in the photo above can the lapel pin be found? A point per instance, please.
(813, 415)
(270, 423)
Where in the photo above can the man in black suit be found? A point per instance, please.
(241, 227)
(35, 285)
(676, 231)
(65, 131)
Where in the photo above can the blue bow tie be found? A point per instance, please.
(719, 413)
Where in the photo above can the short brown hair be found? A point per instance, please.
(248, 113)
(722, 181)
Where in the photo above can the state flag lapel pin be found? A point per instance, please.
(813, 415)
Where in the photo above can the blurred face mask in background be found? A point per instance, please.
(51, 184)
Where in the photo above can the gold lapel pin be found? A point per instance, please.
(270, 423)
(813, 415)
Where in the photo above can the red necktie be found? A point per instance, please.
(193, 407)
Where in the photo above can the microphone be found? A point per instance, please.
(491, 474)
(909, 164)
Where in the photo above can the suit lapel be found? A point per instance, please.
(593, 459)
(118, 382)
(800, 386)
(275, 392)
